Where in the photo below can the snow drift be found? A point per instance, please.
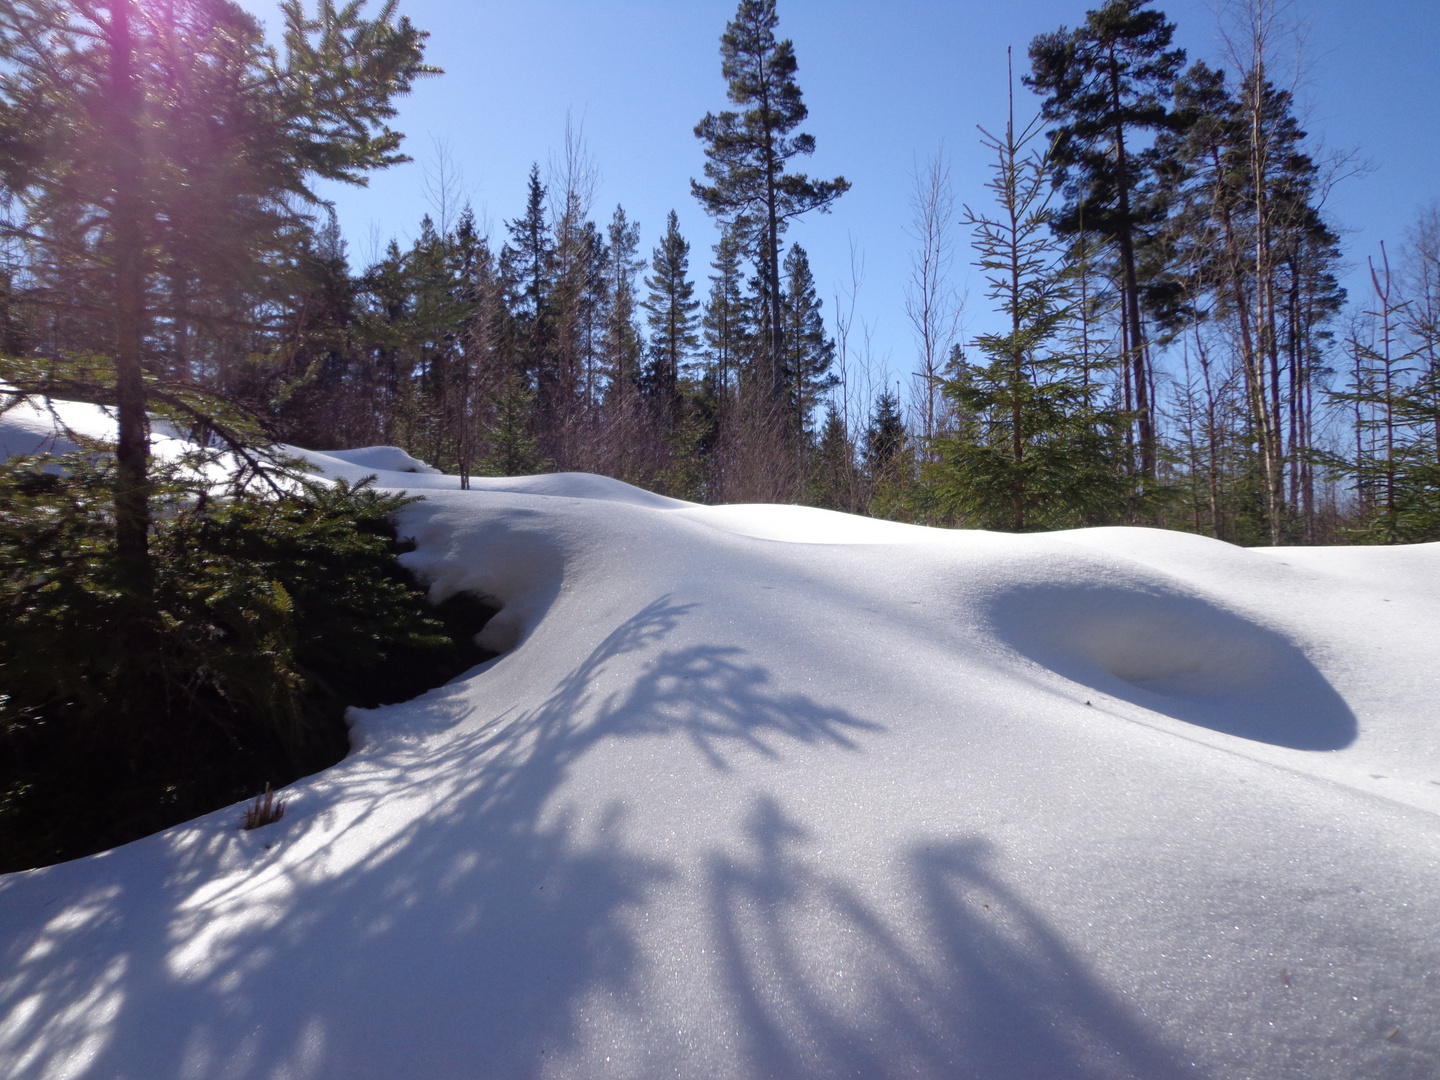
(775, 792)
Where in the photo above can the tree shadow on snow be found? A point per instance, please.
(966, 980)
(466, 941)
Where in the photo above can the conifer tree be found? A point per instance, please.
(832, 466)
(1030, 449)
(809, 351)
(670, 311)
(141, 139)
(477, 297)
(884, 436)
(576, 299)
(514, 450)
(727, 322)
(1246, 252)
(1394, 406)
(622, 267)
(889, 461)
(527, 268)
(747, 154)
(1106, 85)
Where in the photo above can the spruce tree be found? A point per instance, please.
(747, 154)
(1394, 403)
(884, 436)
(727, 321)
(146, 143)
(889, 461)
(527, 268)
(832, 466)
(809, 352)
(670, 311)
(1031, 449)
(623, 343)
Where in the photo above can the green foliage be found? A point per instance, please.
(890, 465)
(232, 132)
(269, 614)
(809, 351)
(1066, 474)
(1393, 396)
(670, 311)
(1031, 449)
(514, 450)
(834, 478)
(747, 155)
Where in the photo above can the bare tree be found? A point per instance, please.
(573, 180)
(443, 182)
(932, 303)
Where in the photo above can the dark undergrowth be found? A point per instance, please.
(267, 614)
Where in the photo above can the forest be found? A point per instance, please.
(1177, 350)
(1171, 347)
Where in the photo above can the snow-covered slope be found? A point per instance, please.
(773, 792)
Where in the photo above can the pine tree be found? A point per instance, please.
(1246, 252)
(670, 311)
(747, 154)
(1107, 84)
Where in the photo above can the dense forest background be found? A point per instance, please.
(1172, 345)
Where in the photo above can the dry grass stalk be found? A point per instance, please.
(264, 810)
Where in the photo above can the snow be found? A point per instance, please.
(35, 426)
(767, 791)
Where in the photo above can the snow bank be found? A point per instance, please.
(774, 792)
(36, 426)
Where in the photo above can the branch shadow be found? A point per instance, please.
(200, 954)
(970, 982)
(452, 918)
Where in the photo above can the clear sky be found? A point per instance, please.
(886, 84)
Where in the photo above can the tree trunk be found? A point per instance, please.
(132, 490)
(1136, 336)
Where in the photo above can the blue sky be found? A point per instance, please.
(886, 84)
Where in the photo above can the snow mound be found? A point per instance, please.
(30, 426)
(396, 468)
(772, 792)
(805, 525)
(381, 459)
(572, 485)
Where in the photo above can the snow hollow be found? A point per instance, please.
(766, 791)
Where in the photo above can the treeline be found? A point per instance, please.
(561, 345)
(566, 349)
(1174, 346)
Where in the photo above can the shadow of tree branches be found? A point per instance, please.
(438, 915)
(969, 982)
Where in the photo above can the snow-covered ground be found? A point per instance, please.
(765, 791)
